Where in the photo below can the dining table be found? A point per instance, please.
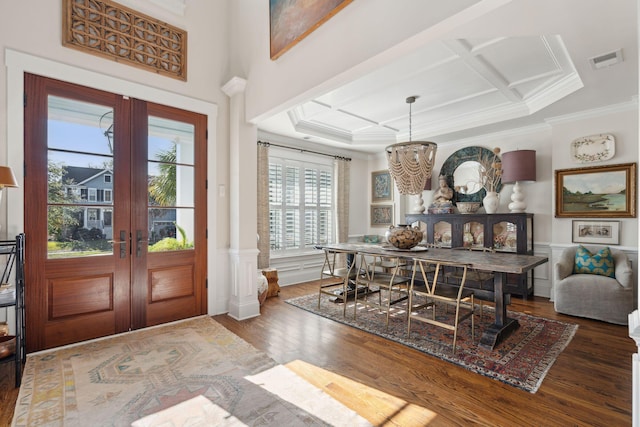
(498, 263)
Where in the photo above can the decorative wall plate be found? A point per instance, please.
(593, 148)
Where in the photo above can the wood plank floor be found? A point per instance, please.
(392, 385)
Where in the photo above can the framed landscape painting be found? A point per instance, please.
(597, 192)
(293, 20)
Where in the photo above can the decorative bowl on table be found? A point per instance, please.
(468, 207)
(403, 236)
(7, 346)
(371, 238)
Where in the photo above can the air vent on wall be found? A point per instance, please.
(606, 60)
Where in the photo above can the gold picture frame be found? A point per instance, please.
(381, 215)
(381, 186)
(596, 192)
(293, 20)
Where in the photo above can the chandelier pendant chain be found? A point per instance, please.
(410, 100)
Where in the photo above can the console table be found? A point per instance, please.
(504, 233)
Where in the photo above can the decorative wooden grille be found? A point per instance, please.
(108, 29)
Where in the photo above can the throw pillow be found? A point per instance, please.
(600, 263)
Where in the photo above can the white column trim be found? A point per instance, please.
(243, 222)
(243, 302)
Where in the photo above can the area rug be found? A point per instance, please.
(522, 360)
(118, 380)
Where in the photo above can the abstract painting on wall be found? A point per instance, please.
(293, 20)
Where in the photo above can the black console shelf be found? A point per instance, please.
(13, 253)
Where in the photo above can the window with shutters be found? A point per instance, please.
(301, 206)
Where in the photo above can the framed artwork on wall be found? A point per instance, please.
(596, 192)
(599, 232)
(381, 186)
(293, 20)
(381, 215)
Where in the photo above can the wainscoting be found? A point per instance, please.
(298, 269)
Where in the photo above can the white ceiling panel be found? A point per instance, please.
(522, 58)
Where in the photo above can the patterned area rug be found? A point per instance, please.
(522, 360)
(117, 380)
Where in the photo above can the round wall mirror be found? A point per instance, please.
(467, 176)
(467, 160)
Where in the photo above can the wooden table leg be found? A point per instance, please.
(503, 326)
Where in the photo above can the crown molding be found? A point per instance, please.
(596, 112)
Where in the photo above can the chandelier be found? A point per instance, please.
(410, 163)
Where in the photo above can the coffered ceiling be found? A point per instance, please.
(467, 86)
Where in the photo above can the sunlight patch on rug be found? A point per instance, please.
(285, 384)
(522, 360)
(117, 380)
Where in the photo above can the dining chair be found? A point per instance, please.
(338, 270)
(436, 294)
(481, 281)
(381, 272)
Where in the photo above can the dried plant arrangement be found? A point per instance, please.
(491, 171)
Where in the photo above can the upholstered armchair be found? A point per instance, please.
(594, 296)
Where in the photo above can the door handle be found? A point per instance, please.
(138, 243)
(123, 243)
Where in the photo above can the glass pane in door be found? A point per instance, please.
(80, 178)
(171, 206)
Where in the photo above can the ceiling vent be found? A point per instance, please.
(606, 60)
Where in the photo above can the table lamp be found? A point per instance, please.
(7, 179)
(518, 166)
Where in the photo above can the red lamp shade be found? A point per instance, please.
(519, 166)
(427, 185)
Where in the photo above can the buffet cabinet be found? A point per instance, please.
(508, 232)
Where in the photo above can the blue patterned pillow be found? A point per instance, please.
(600, 263)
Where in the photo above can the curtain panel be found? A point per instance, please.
(263, 206)
(342, 168)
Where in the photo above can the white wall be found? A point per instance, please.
(624, 127)
(622, 122)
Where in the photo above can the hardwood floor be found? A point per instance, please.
(392, 385)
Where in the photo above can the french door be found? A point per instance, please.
(115, 213)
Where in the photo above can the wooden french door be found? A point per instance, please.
(115, 213)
